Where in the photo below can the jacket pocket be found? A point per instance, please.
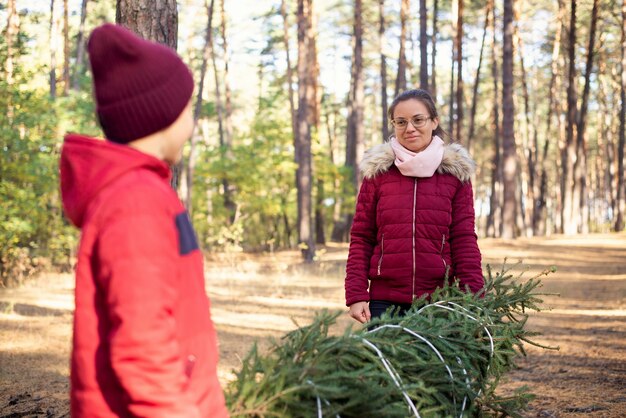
(382, 253)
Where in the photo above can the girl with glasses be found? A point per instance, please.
(414, 222)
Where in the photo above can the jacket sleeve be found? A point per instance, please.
(138, 251)
(362, 243)
(466, 258)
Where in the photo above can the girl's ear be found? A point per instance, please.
(436, 122)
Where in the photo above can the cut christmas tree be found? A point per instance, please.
(445, 357)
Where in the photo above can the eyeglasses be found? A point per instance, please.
(417, 121)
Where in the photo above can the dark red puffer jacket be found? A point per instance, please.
(408, 232)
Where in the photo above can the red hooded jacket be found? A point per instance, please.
(408, 232)
(144, 343)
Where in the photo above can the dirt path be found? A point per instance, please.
(255, 297)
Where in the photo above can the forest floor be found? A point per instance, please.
(255, 297)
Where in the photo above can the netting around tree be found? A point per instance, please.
(445, 357)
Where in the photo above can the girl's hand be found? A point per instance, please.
(361, 312)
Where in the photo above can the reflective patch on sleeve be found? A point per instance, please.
(187, 241)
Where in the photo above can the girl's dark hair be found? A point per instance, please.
(421, 96)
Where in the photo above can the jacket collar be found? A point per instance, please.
(456, 161)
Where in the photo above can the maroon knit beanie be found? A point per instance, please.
(141, 87)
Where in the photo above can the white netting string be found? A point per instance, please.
(393, 374)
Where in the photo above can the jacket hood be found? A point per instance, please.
(456, 161)
(88, 165)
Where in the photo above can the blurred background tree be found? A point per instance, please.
(534, 89)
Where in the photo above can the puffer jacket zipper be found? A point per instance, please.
(443, 243)
(413, 240)
(382, 253)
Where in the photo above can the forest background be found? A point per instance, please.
(291, 92)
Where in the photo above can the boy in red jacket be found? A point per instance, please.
(144, 343)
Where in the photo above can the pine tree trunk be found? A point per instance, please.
(433, 61)
(423, 46)
(621, 201)
(11, 33)
(223, 133)
(292, 106)
(80, 48)
(208, 46)
(401, 77)
(569, 222)
(314, 106)
(527, 172)
(459, 77)
(313, 97)
(477, 79)
(383, 70)
(354, 138)
(453, 62)
(339, 232)
(155, 21)
(66, 49)
(509, 205)
(10, 39)
(540, 207)
(320, 236)
(494, 219)
(303, 149)
(580, 166)
(53, 53)
(228, 107)
(605, 155)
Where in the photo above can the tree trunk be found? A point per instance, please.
(292, 106)
(303, 148)
(228, 107)
(66, 49)
(320, 236)
(383, 70)
(527, 178)
(155, 21)
(80, 48)
(621, 201)
(606, 148)
(477, 79)
(313, 97)
(494, 219)
(509, 205)
(423, 46)
(354, 138)
(433, 61)
(313, 119)
(208, 46)
(9, 67)
(540, 207)
(459, 76)
(580, 166)
(401, 77)
(339, 232)
(568, 221)
(53, 53)
(222, 126)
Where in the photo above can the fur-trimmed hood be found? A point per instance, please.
(456, 161)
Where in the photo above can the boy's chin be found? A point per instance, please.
(173, 161)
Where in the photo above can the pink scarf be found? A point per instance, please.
(418, 164)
